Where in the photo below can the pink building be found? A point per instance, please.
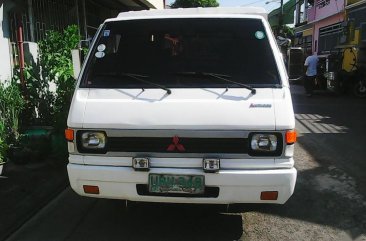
(321, 24)
(328, 18)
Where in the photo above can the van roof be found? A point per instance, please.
(253, 12)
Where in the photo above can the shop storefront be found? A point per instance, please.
(327, 33)
(304, 38)
(325, 17)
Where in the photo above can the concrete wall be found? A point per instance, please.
(311, 14)
(323, 23)
(329, 8)
(158, 4)
(324, 9)
(5, 65)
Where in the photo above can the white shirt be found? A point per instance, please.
(311, 62)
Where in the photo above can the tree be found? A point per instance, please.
(194, 3)
(288, 31)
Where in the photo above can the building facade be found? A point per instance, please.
(32, 18)
(319, 24)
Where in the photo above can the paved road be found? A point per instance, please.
(329, 201)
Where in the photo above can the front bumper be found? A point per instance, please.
(235, 186)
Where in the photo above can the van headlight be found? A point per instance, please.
(265, 144)
(92, 141)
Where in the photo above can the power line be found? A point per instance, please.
(253, 3)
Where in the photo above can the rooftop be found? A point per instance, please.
(181, 12)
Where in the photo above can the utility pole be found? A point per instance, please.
(19, 24)
(280, 19)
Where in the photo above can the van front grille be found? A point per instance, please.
(180, 145)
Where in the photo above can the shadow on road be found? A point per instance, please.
(321, 199)
(157, 222)
(331, 185)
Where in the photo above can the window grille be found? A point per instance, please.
(331, 29)
(46, 15)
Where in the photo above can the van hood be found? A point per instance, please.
(200, 109)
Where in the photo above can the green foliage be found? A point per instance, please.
(39, 99)
(284, 31)
(56, 67)
(3, 145)
(194, 3)
(11, 105)
(288, 31)
(38, 104)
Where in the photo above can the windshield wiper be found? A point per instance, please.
(221, 77)
(139, 78)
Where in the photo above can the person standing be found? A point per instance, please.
(310, 65)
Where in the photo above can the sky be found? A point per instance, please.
(253, 3)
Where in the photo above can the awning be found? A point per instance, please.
(288, 14)
(307, 32)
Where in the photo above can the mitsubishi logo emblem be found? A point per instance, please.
(176, 145)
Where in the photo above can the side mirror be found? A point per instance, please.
(85, 43)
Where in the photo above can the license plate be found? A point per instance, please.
(185, 184)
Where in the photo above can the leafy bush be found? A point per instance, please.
(39, 99)
(38, 104)
(3, 145)
(11, 105)
(56, 62)
(194, 3)
(50, 83)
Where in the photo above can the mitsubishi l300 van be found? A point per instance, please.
(183, 106)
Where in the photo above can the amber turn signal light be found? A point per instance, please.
(69, 134)
(91, 189)
(269, 195)
(291, 137)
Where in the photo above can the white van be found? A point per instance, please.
(183, 106)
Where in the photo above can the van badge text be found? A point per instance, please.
(260, 105)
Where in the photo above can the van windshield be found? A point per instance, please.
(182, 53)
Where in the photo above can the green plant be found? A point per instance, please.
(56, 66)
(39, 99)
(3, 145)
(194, 3)
(11, 105)
(288, 31)
(49, 88)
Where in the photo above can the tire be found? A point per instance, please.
(359, 89)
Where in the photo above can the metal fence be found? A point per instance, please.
(39, 16)
(43, 15)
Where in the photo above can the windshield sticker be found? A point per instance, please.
(101, 47)
(106, 33)
(99, 55)
(259, 35)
